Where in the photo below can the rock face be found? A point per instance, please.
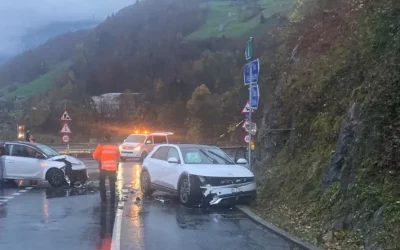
(349, 128)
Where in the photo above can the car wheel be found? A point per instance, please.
(145, 183)
(55, 177)
(143, 156)
(122, 159)
(186, 196)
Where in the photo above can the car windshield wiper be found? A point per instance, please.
(213, 160)
(225, 160)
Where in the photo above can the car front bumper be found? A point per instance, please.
(230, 193)
(130, 153)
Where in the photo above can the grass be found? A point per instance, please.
(223, 13)
(41, 84)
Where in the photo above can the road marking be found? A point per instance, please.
(15, 194)
(29, 188)
(6, 197)
(23, 191)
(116, 238)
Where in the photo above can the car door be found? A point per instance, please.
(148, 144)
(172, 171)
(21, 163)
(155, 165)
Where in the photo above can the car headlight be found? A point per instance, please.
(120, 147)
(137, 148)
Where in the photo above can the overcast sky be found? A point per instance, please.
(17, 16)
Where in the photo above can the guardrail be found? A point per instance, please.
(234, 151)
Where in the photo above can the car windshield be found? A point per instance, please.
(205, 156)
(135, 138)
(49, 152)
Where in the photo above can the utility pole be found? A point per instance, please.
(251, 72)
(249, 56)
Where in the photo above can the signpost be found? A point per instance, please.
(246, 110)
(248, 54)
(255, 96)
(251, 73)
(65, 139)
(65, 130)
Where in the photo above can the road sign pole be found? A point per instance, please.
(250, 102)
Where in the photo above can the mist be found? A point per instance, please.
(19, 17)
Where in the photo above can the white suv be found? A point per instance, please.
(138, 146)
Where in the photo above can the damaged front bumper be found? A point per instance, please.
(230, 193)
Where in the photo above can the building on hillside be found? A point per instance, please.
(108, 104)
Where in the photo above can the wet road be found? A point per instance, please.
(33, 217)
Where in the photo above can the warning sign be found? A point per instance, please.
(65, 129)
(65, 116)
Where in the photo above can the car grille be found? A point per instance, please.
(222, 181)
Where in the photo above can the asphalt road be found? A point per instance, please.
(38, 216)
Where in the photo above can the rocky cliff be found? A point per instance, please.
(334, 179)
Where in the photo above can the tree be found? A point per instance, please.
(202, 113)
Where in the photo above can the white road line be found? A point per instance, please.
(29, 188)
(6, 197)
(23, 191)
(15, 194)
(116, 238)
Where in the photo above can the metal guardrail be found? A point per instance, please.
(234, 151)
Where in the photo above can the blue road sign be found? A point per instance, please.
(255, 96)
(251, 71)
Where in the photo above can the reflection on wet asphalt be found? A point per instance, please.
(161, 222)
(47, 218)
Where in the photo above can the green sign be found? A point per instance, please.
(249, 49)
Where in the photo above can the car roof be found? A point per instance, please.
(162, 133)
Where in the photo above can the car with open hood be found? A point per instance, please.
(34, 161)
(198, 174)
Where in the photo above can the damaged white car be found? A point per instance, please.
(198, 174)
(34, 161)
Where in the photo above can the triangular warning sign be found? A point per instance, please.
(244, 123)
(65, 129)
(65, 116)
(246, 108)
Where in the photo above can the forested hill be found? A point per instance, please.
(163, 50)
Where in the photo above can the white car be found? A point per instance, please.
(33, 161)
(138, 146)
(198, 174)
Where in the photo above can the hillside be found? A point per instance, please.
(326, 155)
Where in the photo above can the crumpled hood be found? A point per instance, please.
(218, 170)
(68, 158)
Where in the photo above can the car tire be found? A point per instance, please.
(145, 183)
(186, 196)
(55, 177)
(143, 156)
(122, 159)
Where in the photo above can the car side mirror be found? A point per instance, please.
(173, 160)
(241, 161)
(124, 141)
(148, 142)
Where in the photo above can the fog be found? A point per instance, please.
(19, 16)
